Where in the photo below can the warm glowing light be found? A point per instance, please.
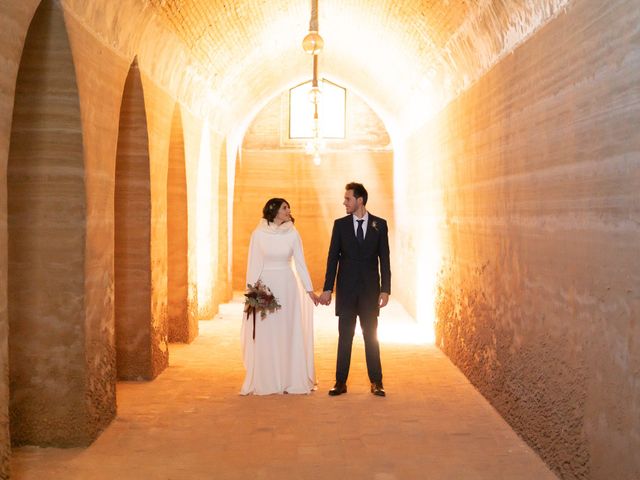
(315, 94)
(313, 148)
(428, 268)
(429, 246)
(418, 215)
(395, 325)
(427, 100)
(203, 224)
(407, 334)
(309, 147)
(331, 111)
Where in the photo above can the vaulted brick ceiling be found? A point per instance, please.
(407, 58)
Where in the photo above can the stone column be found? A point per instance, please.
(182, 327)
(46, 244)
(133, 236)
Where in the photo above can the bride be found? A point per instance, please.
(280, 358)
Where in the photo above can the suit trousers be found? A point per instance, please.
(346, 330)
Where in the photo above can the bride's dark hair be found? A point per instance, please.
(270, 210)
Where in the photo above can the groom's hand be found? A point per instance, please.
(383, 299)
(325, 297)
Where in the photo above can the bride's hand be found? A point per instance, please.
(314, 298)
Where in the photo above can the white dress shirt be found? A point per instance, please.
(364, 224)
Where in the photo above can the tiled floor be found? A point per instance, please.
(190, 423)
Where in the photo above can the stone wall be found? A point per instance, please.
(537, 167)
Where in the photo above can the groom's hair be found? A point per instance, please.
(358, 191)
(270, 210)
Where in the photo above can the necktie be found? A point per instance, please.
(360, 232)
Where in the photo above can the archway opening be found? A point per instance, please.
(273, 164)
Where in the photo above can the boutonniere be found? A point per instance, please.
(374, 225)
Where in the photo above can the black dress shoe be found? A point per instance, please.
(338, 389)
(378, 389)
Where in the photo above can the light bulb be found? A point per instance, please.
(315, 95)
(309, 147)
(316, 159)
(315, 129)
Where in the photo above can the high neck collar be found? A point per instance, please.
(271, 227)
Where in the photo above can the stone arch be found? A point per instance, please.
(315, 192)
(183, 324)
(47, 218)
(136, 356)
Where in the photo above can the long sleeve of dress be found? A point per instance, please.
(255, 261)
(301, 266)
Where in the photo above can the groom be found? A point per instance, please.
(359, 251)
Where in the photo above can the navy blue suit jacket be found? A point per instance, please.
(363, 271)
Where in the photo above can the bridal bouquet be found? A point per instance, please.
(259, 298)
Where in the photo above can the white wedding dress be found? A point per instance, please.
(280, 359)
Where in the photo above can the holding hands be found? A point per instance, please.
(323, 299)
(314, 298)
